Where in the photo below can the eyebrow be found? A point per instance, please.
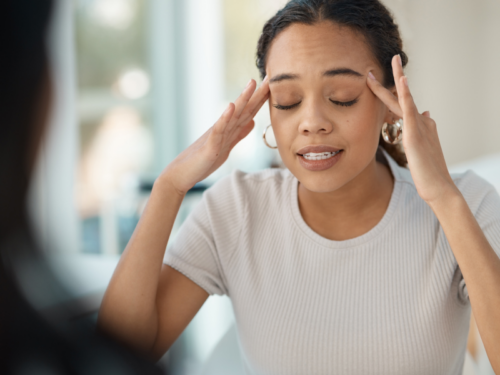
(283, 77)
(328, 73)
(342, 71)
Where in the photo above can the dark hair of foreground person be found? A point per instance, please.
(32, 342)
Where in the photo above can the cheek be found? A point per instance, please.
(284, 127)
(360, 130)
(285, 133)
(363, 126)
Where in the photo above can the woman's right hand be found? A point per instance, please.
(212, 149)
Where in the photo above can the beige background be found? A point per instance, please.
(454, 52)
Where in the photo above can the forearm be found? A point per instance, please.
(128, 309)
(480, 267)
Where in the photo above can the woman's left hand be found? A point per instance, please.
(420, 138)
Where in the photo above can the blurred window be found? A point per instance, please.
(115, 133)
(153, 76)
(143, 96)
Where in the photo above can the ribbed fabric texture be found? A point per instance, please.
(392, 301)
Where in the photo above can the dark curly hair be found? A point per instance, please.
(369, 17)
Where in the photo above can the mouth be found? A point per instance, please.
(319, 155)
(319, 161)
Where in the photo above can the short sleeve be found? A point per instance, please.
(484, 201)
(209, 235)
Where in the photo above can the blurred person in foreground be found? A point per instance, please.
(32, 342)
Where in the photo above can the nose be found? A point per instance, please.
(314, 121)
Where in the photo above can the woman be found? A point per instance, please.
(346, 262)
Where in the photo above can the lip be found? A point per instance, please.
(319, 165)
(317, 149)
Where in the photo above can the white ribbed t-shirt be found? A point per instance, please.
(391, 301)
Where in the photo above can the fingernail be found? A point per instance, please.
(400, 60)
(370, 74)
(405, 80)
(227, 109)
(248, 84)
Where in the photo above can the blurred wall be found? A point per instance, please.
(454, 51)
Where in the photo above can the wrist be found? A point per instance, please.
(166, 185)
(447, 201)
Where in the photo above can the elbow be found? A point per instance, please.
(132, 332)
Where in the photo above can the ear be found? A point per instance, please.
(389, 116)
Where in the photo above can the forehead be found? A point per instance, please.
(302, 49)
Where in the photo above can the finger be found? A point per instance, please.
(256, 102)
(261, 103)
(218, 133)
(256, 109)
(397, 68)
(227, 148)
(243, 99)
(244, 131)
(221, 124)
(426, 114)
(384, 95)
(397, 71)
(405, 98)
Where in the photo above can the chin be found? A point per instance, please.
(333, 178)
(320, 182)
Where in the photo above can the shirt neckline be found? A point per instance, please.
(356, 241)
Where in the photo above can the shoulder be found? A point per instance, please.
(233, 194)
(239, 185)
(469, 181)
(475, 189)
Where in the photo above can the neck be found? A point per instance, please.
(352, 209)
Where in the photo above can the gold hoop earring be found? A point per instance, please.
(264, 137)
(393, 133)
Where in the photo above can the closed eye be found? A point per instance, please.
(286, 107)
(344, 104)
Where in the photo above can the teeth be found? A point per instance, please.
(319, 156)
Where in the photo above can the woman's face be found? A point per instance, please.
(319, 98)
